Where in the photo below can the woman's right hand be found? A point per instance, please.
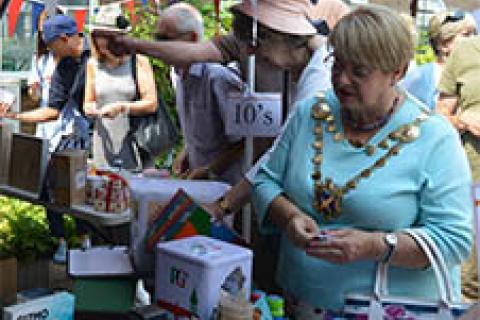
(301, 229)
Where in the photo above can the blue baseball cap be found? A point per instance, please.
(57, 25)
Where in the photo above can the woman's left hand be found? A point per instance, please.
(345, 246)
(112, 110)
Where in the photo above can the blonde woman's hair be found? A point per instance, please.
(440, 30)
(373, 36)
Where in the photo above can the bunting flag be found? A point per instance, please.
(130, 6)
(80, 15)
(37, 9)
(13, 12)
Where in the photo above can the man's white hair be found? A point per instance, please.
(187, 18)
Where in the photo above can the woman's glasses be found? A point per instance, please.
(454, 16)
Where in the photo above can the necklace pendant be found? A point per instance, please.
(329, 204)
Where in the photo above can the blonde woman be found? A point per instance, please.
(355, 167)
(110, 97)
(444, 30)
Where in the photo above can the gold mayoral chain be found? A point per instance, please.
(328, 196)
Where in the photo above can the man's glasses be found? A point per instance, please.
(454, 16)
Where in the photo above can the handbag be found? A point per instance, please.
(381, 305)
(152, 133)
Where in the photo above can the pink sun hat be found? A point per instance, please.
(287, 16)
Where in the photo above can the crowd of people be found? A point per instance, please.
(372, 145)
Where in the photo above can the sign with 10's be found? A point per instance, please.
(257, 114)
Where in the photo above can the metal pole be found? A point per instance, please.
(248, 155)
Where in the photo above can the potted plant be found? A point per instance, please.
(8, 266)
(24, 235)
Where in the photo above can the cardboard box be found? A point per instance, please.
(8, 280)
(28, 162)
(5, 145)
(191, 272)
(149, 196)
(56, 306)
(103, 279)
(68, 177)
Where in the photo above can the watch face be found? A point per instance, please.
(391, 239)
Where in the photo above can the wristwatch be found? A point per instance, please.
(391, 241)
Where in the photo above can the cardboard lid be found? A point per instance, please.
(162, 190)
(99, 262)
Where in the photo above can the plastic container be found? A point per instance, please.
(191, 272)
(103, 279)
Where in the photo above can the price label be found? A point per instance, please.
(254, 115)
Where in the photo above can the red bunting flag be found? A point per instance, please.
(13, 12)
(130, 6)
(80, 17)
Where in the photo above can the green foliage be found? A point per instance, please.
(424, 52)
(23, 230)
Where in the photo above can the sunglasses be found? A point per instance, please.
(454, 16)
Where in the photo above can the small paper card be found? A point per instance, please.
(181, 218)
(254, 115)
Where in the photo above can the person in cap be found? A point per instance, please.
(111, 96)
(356, 166)
(201, 92)
(444, 31)
(65, 100)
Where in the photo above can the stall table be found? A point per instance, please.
(98, 220)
